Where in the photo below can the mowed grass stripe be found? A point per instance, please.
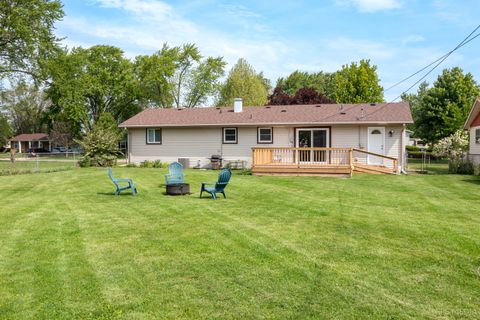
(278, 247)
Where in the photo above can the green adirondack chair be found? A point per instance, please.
(219, 186)
(175, 174)
(118, 183)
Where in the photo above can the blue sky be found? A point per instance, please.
(278, 37)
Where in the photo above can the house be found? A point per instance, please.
(285, 139)
(31, 141)
(473, 126)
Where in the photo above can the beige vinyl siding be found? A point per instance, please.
(200, 143)
(355, 136)
(247, 138)
(474, 149)
(193, 143)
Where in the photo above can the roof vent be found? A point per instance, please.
(268, 107)
(318, 106)
(283, 110)
(373, 104)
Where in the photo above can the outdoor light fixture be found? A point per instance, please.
(390, 133)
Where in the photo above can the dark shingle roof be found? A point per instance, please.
(30, 137)
(275, 115)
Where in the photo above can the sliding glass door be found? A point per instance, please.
(312, 138)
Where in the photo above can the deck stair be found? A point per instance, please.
(372, 169)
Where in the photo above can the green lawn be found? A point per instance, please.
(385, 247)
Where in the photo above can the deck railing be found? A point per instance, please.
(302, 156)
(319, 157)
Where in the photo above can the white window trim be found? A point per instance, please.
(477, 139)
(260, 136)
(148, 136)
(224, 141)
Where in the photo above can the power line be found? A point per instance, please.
(441, 60)
(414, 74)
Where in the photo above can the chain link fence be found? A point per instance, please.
(37, 162)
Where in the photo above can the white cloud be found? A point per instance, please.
(144, 30)
(413, 38)
(371, 5)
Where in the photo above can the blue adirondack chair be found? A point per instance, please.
(118, 183)
(175, 174)
(219, 186)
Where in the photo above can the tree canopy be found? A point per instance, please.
(302, 96)
(26, 36)
(358, 83)
(85, 83)
(320, 81)
(25, 105)
(244, 82)
(441, 110)
(5, 130)
(178, 77)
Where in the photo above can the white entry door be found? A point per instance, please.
(376, 143)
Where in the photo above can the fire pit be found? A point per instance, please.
(178, 189)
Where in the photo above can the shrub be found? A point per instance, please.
(455, 148)
(101, 143)
(476, 170)
(245, 172)
(146, 164)
(412, 148)
(462, 166)
(158, 164)
(131, 165)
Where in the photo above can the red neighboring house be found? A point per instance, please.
(30, 141)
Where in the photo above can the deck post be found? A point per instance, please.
(350, 160)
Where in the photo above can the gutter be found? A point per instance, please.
(263, 124)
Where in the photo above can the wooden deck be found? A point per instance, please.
(320, 161)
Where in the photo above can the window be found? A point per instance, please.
(230, 135)
(154, 136)
(376, 131)
(477, 136)
(265, 135)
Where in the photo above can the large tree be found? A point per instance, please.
(154, 73)
(61, 134)
(85, 83)
(178, 77)
(5, 130)
(244, 82)
(26, 106)
(358, 83)
(320, 81)
(302, 96)
(442, 110)
(26, 34)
